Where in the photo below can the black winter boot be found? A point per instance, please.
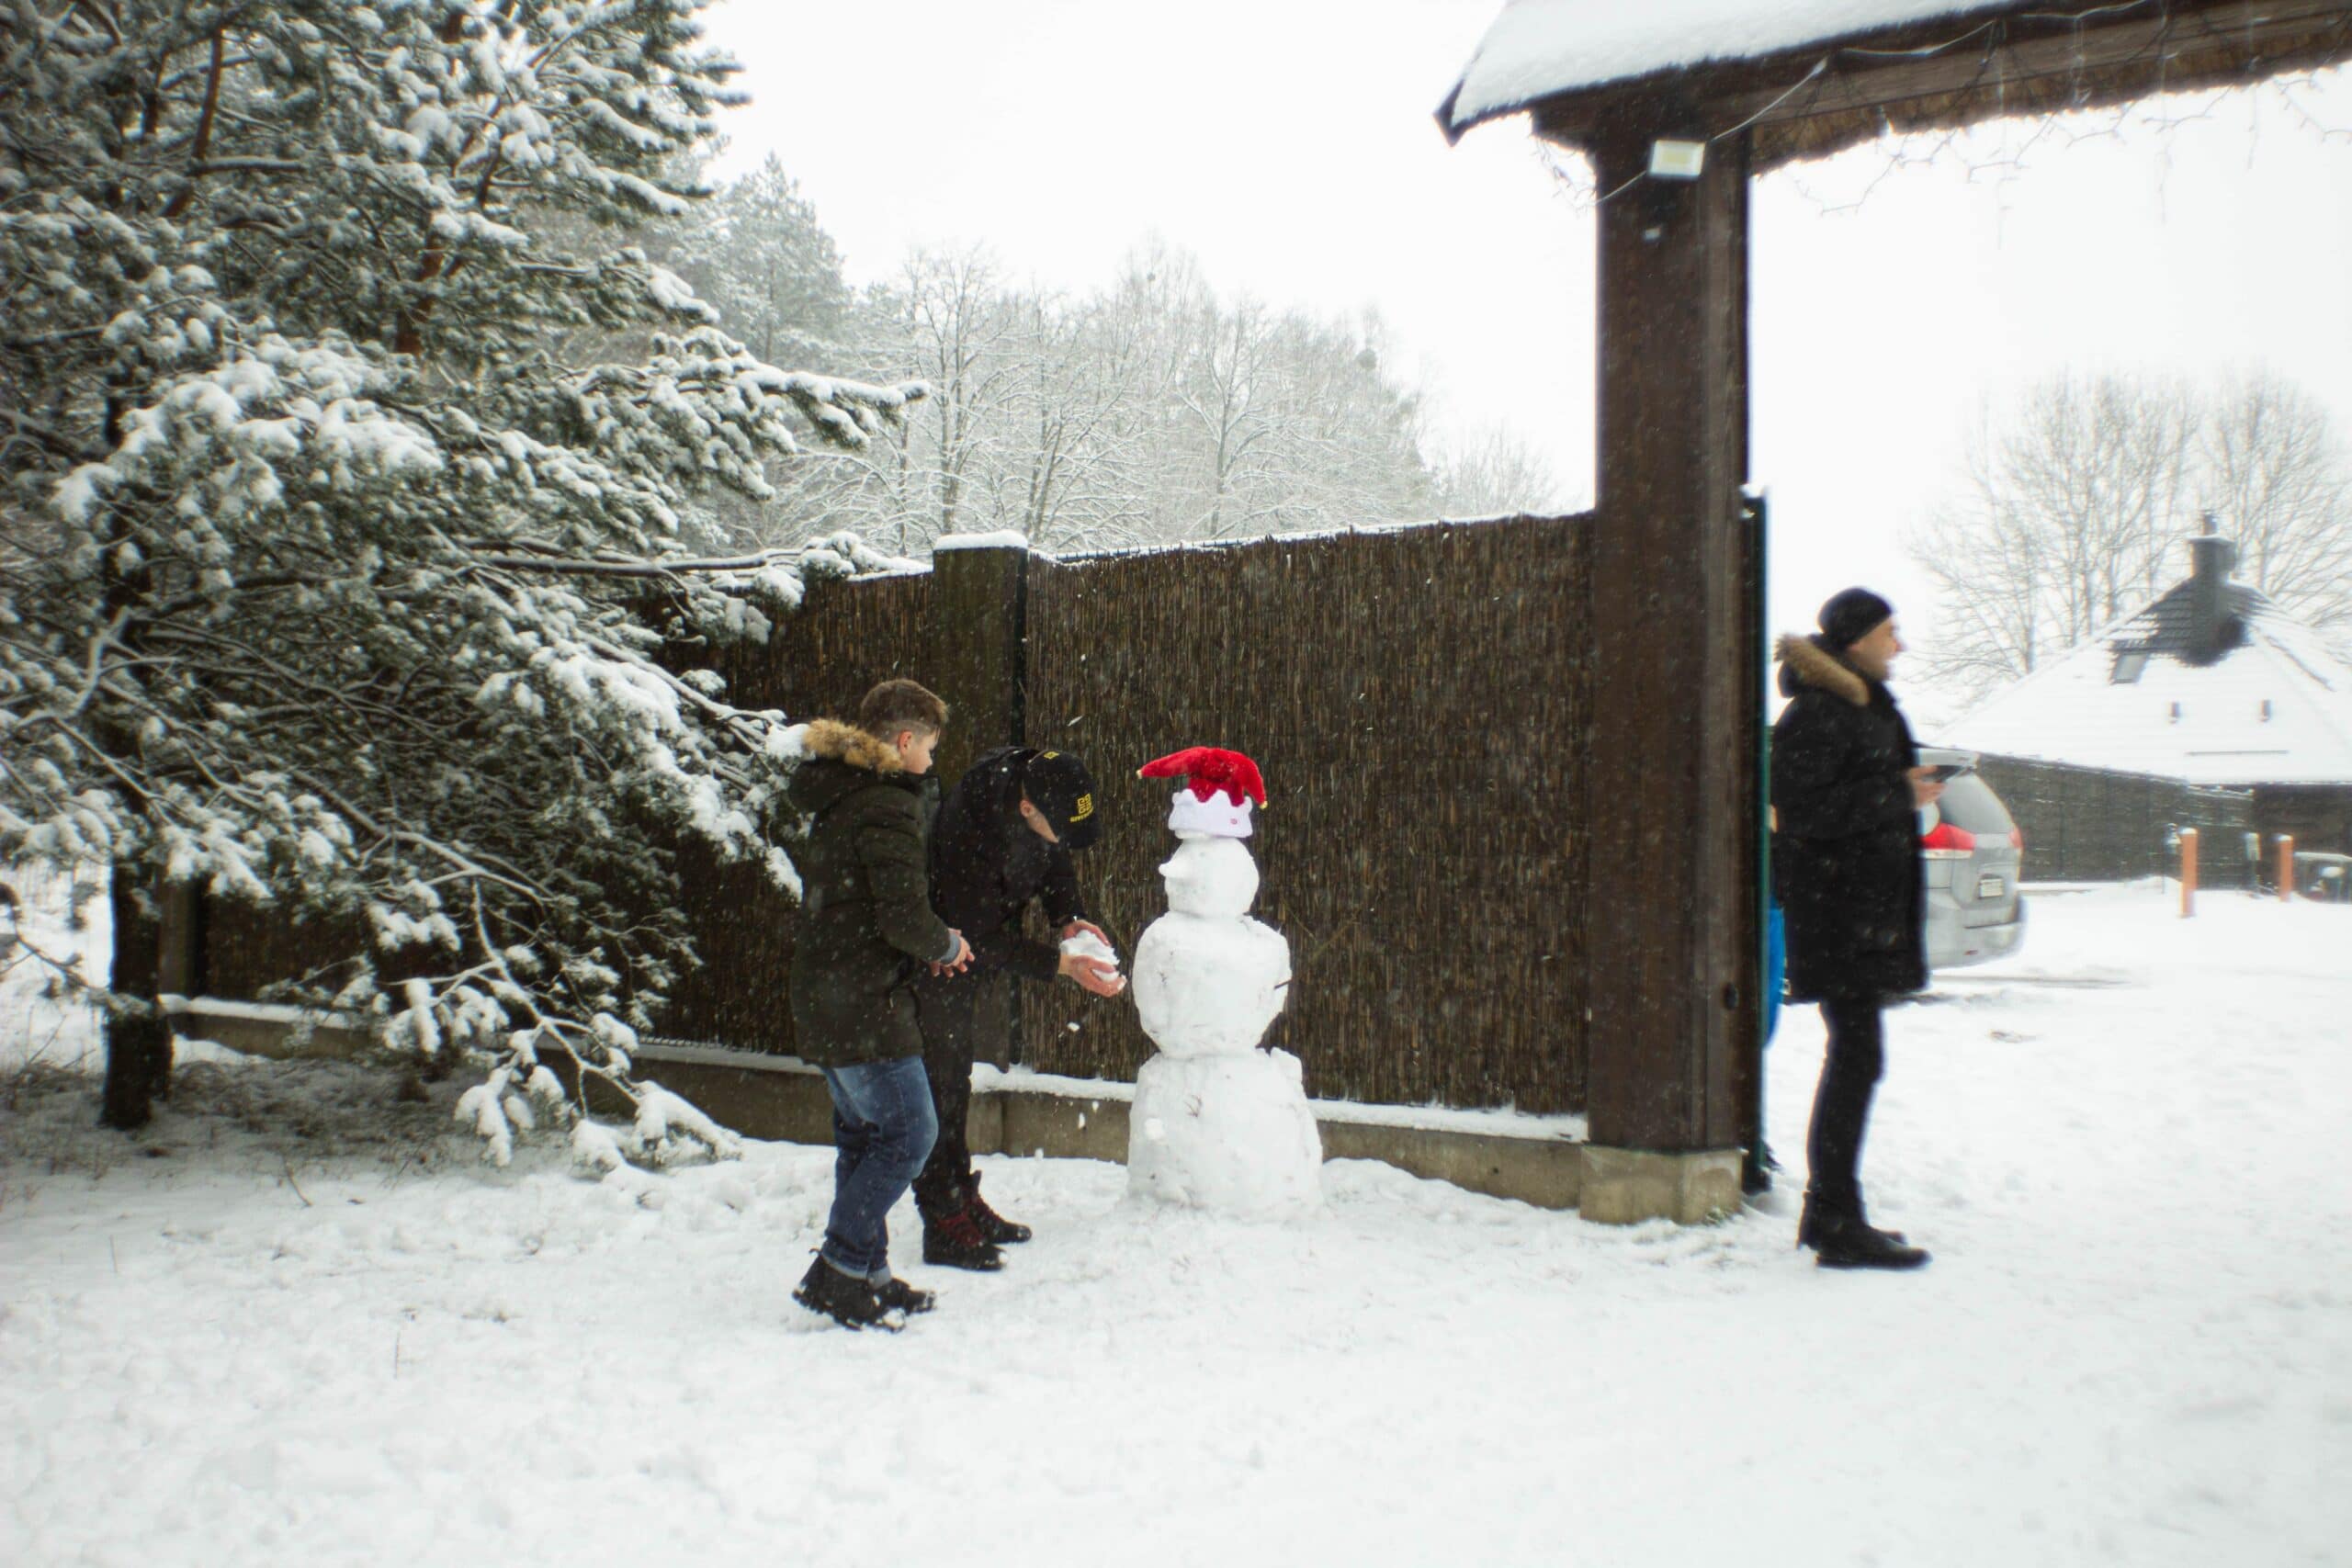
(848, 1302)
(1815, 1215)
(897, 1295)
(954, 1241)
(1840, 1242)
(994, 1228)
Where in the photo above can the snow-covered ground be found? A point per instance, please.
(288, 1327)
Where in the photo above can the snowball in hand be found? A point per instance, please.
(1086, 944)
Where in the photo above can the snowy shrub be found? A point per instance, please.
(595, 1149)
(667, 1126)
(335, 570)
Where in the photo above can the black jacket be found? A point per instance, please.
(867, 927)
(987, 864)
(1846, 856)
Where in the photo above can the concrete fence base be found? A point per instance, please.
(781, 1098)
(1623, 1186)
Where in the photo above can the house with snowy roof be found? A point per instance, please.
(2211, 682)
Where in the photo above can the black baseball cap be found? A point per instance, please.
(1059, 784)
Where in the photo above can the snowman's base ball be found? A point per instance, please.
(1231, 1133)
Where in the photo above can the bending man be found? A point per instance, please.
(1003, 839)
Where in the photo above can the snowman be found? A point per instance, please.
(1217, 1123)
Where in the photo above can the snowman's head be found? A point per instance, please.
(1213, 877)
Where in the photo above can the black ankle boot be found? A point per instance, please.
(1810, 1221)
(994, 1228)
(848, 1302)
(952, 1241)
(897, 1295)
(1840, 1241)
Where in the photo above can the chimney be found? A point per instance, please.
(2211, 632)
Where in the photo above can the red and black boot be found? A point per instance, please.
(951, 1239)
(993, 1227)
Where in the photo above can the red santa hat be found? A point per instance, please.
(1218, 786)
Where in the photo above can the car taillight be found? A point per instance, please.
(1944, 839)
(2017, 838)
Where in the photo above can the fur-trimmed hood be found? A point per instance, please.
(1804, 662)
(828, 737)
(843, 760)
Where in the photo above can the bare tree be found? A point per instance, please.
(961, 327)
(2275, 475)
(1150, 412)
(2069, 508)
(1497, 471)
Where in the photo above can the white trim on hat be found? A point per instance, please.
(1217, 816)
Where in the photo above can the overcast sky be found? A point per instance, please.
(1290, 145)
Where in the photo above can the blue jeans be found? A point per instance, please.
(884, 1125)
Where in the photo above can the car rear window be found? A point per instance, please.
(1969, 803)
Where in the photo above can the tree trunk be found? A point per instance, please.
(138, 1036)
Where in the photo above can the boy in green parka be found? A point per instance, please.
(867, 931)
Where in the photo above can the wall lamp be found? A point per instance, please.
(1677, 160)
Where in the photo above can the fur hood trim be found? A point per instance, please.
(1812, 665)
(847, 743)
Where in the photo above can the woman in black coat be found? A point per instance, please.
(1845, 790)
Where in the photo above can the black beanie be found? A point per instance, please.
(1852, 615)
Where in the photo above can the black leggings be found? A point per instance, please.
(1841, 1106)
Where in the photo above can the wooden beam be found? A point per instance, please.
(1674, 958)
(1809, 102)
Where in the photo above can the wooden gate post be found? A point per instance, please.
(1671, 791)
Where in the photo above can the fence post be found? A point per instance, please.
(181, 910)
(978, 614)
(2187, 873)
(2286, 867)
(979, 600)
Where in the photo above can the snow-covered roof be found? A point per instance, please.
(2275, 709)
(1538, 48)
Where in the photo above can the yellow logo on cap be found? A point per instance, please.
(1085, 808)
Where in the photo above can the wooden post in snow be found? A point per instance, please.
(2187, 873)
(2286, 867)
(1675, 962)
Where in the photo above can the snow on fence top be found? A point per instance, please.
(1000, 539)
(1538, 48)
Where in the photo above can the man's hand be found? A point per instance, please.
(1924, 790)
(1093, 975)
(962, 960)
(1097, 933)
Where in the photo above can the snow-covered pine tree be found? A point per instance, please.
(322, 568)
(757, 253)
